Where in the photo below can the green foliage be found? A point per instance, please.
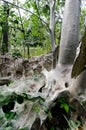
(36, 109)
(10, 115)
(46, 9)
(82, 21)
(33, 27)
(39, 50)
(64, 104)
(16, 54)
(10, 101)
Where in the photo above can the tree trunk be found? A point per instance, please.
(79, 68)
(68, 45)
(5, 45)
(80, 84)
(70, 32)
(52, 24)
(52, 33)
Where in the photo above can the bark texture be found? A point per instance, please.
(5, 30)
(52, 24)
(52, 33)
(80, 85)
(70, 32)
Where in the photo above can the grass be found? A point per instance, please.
(34, 51)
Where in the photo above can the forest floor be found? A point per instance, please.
(25, 75)
(17, 67)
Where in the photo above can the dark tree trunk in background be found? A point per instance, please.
(5, 30)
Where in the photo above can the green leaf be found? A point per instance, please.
(62, 100)
(12, 13)
(65, 106)
(10, 115)
(36, 109)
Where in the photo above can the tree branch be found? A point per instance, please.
(26, 11)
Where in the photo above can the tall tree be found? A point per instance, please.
(68, 45)
(70, 32)
(5, 45)
(52, 23)
(52, 32)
